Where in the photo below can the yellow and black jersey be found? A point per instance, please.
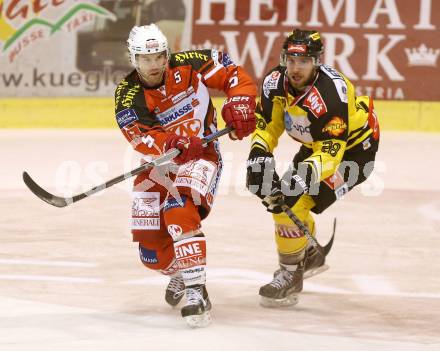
(327, 118)
(182, 104)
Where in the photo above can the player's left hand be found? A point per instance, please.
(191, 148)
(275, 199)
(286, 191)
(239, 113)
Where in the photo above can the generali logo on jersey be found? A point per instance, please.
(315, 103)
(25, 23)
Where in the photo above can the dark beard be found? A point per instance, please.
(297, 92)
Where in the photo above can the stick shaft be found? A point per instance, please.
(65, 201)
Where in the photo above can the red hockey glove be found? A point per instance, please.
(190, 148)
(239, 113)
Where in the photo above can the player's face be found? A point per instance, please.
(300, 70)
(151, 67)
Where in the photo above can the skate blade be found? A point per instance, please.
(290, 300)
(199, 320)
(315, 271)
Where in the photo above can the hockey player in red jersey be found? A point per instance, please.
(164, 103)
(339, 132)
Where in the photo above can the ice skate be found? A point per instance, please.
(314, 263)
(175, 290)
(283, 290)
(196, 311)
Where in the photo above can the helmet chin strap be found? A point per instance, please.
(313, 76)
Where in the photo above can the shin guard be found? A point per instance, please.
(191, 259)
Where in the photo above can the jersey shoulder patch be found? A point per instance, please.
(273, 83)
(125, 117)
(337, 80)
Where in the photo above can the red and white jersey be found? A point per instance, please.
(182, 105)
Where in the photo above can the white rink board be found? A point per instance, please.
(71, 279)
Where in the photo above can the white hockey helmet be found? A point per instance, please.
(146, 40)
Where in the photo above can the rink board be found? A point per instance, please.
(98, 113)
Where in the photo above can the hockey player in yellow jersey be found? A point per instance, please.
(339, 132)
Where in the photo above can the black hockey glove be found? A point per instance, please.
(260, 173)
(275, 199)
(289, 189)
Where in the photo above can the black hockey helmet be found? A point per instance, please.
(302, 43)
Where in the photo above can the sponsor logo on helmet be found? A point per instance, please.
(335, 127)
(297, 48)
(315, 103)
(152, 44)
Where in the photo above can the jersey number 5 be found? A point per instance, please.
(177, 77)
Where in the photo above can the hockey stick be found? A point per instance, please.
(323, 250)
(59, 201)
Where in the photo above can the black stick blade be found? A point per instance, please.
(43, 194)
(328, 246)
